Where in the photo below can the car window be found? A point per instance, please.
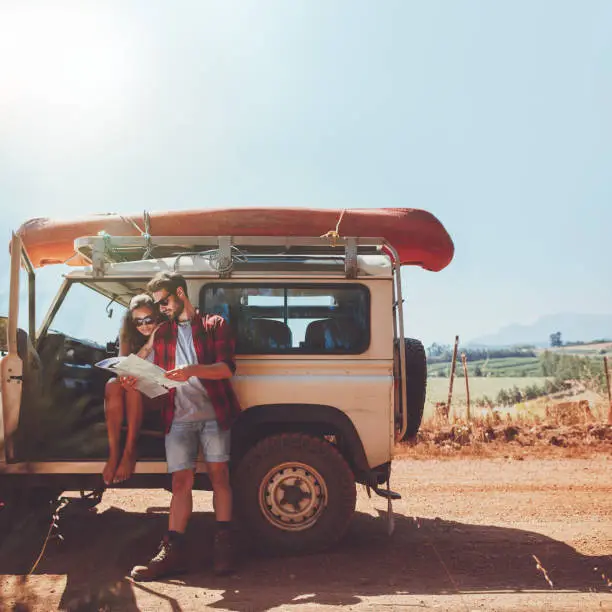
(306, 319)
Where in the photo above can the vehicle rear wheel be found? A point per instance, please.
(295, 493)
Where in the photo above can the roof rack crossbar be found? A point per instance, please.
(104, 249)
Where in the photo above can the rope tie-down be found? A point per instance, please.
(112, 253)
(145, 233)
(333, 235)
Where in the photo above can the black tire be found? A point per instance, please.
(416, 382)
(322, 481)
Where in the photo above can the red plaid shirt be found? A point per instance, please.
(214, 343)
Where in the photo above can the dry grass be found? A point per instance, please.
(553, 428)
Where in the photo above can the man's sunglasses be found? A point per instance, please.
(139, 322)
(164, 301)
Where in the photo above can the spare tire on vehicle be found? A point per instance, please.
(416, 384)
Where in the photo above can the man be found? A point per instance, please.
(199, 350)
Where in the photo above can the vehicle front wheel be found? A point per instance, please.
(294, 493)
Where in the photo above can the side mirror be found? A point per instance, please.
(4, 334)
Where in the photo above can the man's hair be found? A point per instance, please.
(167, 281)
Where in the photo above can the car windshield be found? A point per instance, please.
(88, 315)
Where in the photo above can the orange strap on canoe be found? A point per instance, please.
(333, 236)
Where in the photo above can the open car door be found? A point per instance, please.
(11, 365)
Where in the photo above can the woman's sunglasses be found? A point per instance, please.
(144, 321)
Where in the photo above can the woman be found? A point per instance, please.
(136, 336)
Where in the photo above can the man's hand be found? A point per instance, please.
(182, 373)
(127, 382)
(212, 371)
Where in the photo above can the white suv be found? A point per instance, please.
(325, 390)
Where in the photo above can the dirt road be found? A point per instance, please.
(467, 534)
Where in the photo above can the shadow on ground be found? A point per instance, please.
(423, 556)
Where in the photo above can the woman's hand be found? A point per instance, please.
(147, 347)
(149, 343)
(128, 382)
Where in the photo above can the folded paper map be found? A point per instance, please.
(150, 378)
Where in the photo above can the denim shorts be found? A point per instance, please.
(183, 440)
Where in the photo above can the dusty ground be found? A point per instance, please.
(466, 533)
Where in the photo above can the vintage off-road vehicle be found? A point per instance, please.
(327, 382)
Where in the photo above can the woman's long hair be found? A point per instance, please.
(129, 335)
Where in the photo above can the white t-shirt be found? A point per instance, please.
(191, 400)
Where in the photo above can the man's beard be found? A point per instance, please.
(179, 309)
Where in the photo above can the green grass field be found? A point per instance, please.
(437, 391)
(437, 388)
(507, 367)
(521, 366)
(497, 374)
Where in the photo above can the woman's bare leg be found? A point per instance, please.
(113, 410)
(133, 401)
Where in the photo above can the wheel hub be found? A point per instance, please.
(292, 496)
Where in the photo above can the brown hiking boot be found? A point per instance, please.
(223, 553)
(169, 561)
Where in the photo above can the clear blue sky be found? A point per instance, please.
(495, 116)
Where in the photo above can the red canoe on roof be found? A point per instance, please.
(417, 235)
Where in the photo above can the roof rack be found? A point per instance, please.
(224, 251)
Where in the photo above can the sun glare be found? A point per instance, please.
(56, 61)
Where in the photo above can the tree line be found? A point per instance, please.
(442, 353)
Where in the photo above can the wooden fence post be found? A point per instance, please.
(452, 376)
(607, 371)
(467, 383)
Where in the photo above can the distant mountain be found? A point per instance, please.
(574, 327)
